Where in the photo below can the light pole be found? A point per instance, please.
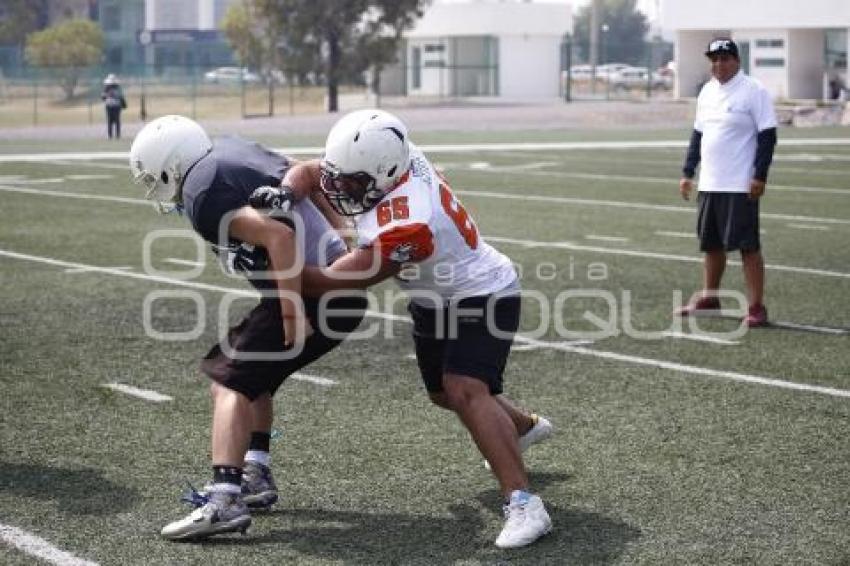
(607, 76)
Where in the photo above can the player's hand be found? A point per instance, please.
(296, 330)
(242, 258)
(273, 199)
(756, 189)
(685, 187)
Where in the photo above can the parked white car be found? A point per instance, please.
(638, 77)
(231, 75)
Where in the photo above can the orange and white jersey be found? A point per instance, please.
(422, 225)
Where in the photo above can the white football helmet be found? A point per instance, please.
(366, 153)
(162, 154)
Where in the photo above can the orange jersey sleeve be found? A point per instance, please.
(402, 244)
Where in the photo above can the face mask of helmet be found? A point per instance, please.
(349, 194)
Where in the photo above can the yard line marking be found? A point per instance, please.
(654, 255)
(313, 379)
(474, 193)
(631, 205)
(821, 329)
(675, 234)
(562, 346)
(445, 148)
(84, 196)
(529, 346)
(74, 270)
(606, 238)
(178, 261)
(527, 243)
(701, 338)
(146, 394)
(36, 546)
(94, 165)
(87, 177)
(809, 227)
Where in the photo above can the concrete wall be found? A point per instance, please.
(754, 14)
(529, 66)
(805, 63)
(692, 67)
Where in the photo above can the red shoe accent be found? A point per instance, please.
(702, 304)
(757, 316)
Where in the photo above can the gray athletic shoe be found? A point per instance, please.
(258, 488)
(223, 513)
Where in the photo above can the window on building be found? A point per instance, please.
(434, 64)
(434, 48)
(770, 62)
(111, 18)
(770, 43)
(836, 49)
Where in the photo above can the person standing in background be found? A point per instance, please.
(114, 103)
(734, 136)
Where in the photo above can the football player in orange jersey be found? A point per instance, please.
(464, 294)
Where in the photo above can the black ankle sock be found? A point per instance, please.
(260, 441)
(227, 474)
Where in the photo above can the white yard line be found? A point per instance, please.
(472, 193)
(88, 177)
(631, 205)
(324, 381)
(83, 196)
(820, 329)
(146, 394)
(444, 148)
(33, 545)
(75, 270)
(619, 239)
(178, 261)
(676, 234)
(809, 227)
(526, 243)
(653, 255)
(560, 346)
(701, 338)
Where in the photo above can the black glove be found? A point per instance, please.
(273, 199)
(242, 258)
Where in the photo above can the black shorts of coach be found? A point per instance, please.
(728, 221)
(460, 339)
(261, 332)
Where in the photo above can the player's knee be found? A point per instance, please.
(461, 390)
(440, 400)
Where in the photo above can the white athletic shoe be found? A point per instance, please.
(223, 513)
(541, 430)
(526, 520)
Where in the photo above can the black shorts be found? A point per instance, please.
(728, 221)
(460, 339)
(262, 332)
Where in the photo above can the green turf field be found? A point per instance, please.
(669, 449)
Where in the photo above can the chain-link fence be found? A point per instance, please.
(620, 72)
(33, 96)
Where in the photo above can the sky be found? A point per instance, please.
(648, 7)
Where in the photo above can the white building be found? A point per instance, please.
(794, 47)
(479, 48)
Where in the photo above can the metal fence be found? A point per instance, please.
(33, 96)
(637, 73)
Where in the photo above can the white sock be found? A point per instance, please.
(258, 456)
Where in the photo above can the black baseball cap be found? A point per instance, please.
(722, 45)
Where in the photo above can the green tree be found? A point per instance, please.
(21, 17)
(248, 36)
(334, 40)
(623, 40)
(66, 48)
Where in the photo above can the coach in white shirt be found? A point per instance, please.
(734, 137)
